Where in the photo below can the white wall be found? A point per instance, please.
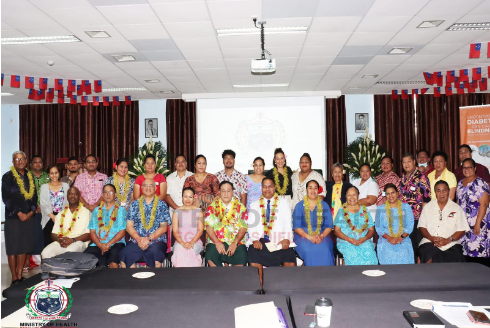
(9, 139)
(358, 104)
(153, 109)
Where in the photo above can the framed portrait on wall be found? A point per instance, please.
(151, 127)
(362, 122)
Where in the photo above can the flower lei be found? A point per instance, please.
(268, 226)
(73, 220)
(349, 222)
(20, 183)
(337, 192)
(102, 226)
(148, 225)
(390, 219)
(219, 210)
(283, 190)
(319, 216)
(121, 197)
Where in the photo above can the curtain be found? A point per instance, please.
(395, 127)
(336, 132)
(64, 130)
(181, 132)
(438, 122)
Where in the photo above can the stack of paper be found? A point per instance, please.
(260, 315)
(455, 313)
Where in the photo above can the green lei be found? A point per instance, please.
(43, 178)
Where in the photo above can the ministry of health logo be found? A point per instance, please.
(48, 302)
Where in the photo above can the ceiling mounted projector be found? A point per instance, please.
(263, 65)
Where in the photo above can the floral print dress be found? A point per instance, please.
(474, 245)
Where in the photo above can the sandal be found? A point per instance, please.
(15, 282)
(25, 269)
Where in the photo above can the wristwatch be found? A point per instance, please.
(74, 240)
(451, 238)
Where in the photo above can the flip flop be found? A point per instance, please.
(15, 282)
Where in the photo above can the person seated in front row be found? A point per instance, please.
(394, 223)
(226, 225)
(147, 222)
(442, 224)
(270, 221)
(70, 231)
(312, 224)
(187, 227)
(354, 228)
(107, 229)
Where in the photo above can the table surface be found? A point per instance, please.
(349, 279)
(189, 280)
(380, 310)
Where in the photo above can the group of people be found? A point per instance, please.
(429, 214)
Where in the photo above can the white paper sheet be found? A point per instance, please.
(273, 247)
(455, 313)
(20, 316)
(67, 283)
(260, 315)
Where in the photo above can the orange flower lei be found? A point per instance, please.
(102, 226)
(219, 210)
(349, 222)
(73, 220)
(268, 227)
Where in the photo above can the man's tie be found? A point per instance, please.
(267, 216)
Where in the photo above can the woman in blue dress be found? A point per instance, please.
(393, 226)
(312, 231)
(354, 228)
(254, 182)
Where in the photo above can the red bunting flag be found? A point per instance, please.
(43, 83)
(72, 85)
(415, 92)
(69, 94)
(460, 89)
(87, 87)
(73, 100)
(84, 100)
(437, 92)
(488, 50)
(449, 91)
(15, 81)
(98, 86)
(115, 101)
(29, 82)
(2, 79)
(472, 86)
(79, 90)
(58, 84)
(32, 93)
(429, 79)
(476, 73)
(50, 94)
(127, 100)
(105, 101)
(424, 90)
(404, 94)
(61, 100)
(394, 94)
(41, 94)
(463, 75)
(483, 84)
(49, 100)
(450, 77)
(95, 100)
(475, 50)
(439, 80)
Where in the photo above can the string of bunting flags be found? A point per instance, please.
(453, 84)
(74, 91)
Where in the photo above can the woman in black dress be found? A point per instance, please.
(20, 199)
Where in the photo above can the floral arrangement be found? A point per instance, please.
(364, 150)
(137, 161)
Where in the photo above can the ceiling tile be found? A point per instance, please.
(124, 83)
(361, 60)
(202, 54)
(115, 47)
(331, 84)
(116, 3)
(79, 48)
(343, 71)
(326, 39)
(88, 16)
(241, 41)
(382, 24)
(320, 51)
(29, 50)
(369, 38)
(334, 24)
(79, 32)
(171, 64)
(83, 60)
(42, 60)
(287, 9)
(351, 51)
(385, 8)
(388, 59)
(154, 44)
(197, 44)
(315, 61)
(448, 7)
(181, 12)
(305, 75)
(452, 37)
(143, 31)
(129, 14)
(302, 85)
(328, 8)
(135, 66)
(163, 55)
(235, 10)
(217, 63)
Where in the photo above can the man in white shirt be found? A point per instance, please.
(175, 183)
(269, 220)
(442, 224)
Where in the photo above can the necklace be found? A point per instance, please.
(349, 222)
(281, 191)
(220, 211)
(268, 226)
(319, 216)
(102, 226)
(20, 183)
(122, 197)
(148, 225)
(390, 219)
(73, 220)
(337, 187)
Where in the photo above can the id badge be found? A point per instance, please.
(412, 188)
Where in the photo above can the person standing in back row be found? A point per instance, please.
(236, 178)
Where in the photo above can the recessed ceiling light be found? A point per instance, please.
(98, 34)
(397, 51)
(123, 89)
(256, 31)
(40, 39)
(123, 58)
(152, 81)
(261, 85)
(370, 76)
(469, 26)
(430, 24)
(6, 94)
(400, 82)
(166, 92)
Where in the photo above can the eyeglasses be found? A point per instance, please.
(110, 193)
(148, 185)
(467, 167)
(23, 159)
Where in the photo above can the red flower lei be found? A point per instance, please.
(268, 227)
(101, 222)
(73, 220)
(349, 222)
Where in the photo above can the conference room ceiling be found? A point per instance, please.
(176, 42)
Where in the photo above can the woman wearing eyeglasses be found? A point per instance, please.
(473, 196)
(107, 229)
